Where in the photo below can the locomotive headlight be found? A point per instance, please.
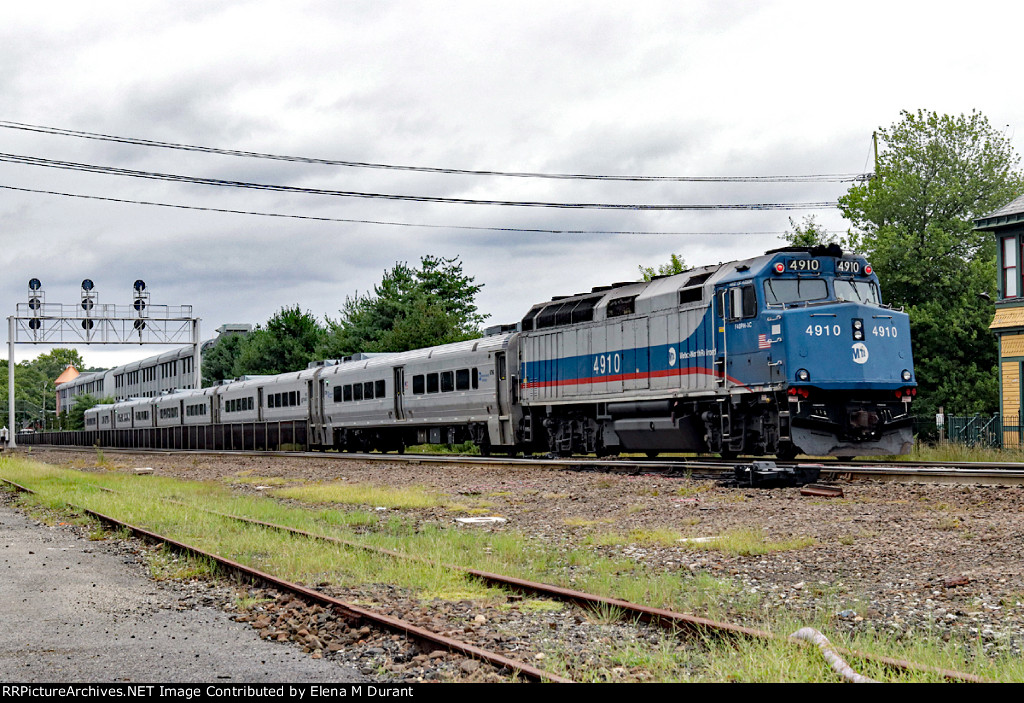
(906, 375)
(803, 375)
(858, 329)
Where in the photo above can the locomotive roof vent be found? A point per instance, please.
(832, 249)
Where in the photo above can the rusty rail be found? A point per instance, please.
(348, 610)
(658, 616)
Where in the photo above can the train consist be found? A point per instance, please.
(789, 352)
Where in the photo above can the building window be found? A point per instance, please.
(1009, 267)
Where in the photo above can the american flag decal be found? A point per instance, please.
(763, 342)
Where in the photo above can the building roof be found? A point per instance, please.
(1010, 214)
(69, 374)
(1008, 317)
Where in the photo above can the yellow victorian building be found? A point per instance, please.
(1007, 224)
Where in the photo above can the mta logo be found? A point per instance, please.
(860, 353)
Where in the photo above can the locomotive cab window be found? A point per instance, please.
(738, 303)
(780, 291)
(857, 291)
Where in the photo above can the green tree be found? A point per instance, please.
(914, 222)
(75, 418)
(410, 308)
(219, 360)
(675, 264)
(288, 342)
(53, 363)
(810, 233)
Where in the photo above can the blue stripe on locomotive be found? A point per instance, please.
(678, 358)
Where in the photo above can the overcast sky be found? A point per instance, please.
(644, 88)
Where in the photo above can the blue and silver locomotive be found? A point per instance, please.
(789, 352)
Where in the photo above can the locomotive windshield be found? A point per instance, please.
(857, 291)
(780, 291)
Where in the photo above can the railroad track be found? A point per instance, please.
(679, 623)
(347, 610)
(987, 473)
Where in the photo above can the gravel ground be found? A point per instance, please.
(886, 556)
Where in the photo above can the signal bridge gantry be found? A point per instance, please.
(90, 322)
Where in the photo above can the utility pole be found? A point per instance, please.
(874, 142)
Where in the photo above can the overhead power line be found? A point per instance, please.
(527, 230)
(116, 171)
(813, 178)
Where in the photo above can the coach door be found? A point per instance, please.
(504, 419)
(399, 392)
(316, 408)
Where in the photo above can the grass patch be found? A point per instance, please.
(246, 478)
(657, 536)
(362, 494)
(747, 542)
(168, 565)
(536, 605)
(694, 489)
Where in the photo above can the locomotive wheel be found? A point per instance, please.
(787, 452)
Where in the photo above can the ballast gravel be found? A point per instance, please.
(897, 557)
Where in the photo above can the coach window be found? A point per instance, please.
(368, 390)
(432, 383)
(447, 381)
(378, 389)
(293, 398)
(419, 386)
(475, 376)
(272, 400)
(348, 393)
(357, 391)
(462, 380)
(337, 394)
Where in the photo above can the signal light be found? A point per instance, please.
(868, 270)
(780, 267)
